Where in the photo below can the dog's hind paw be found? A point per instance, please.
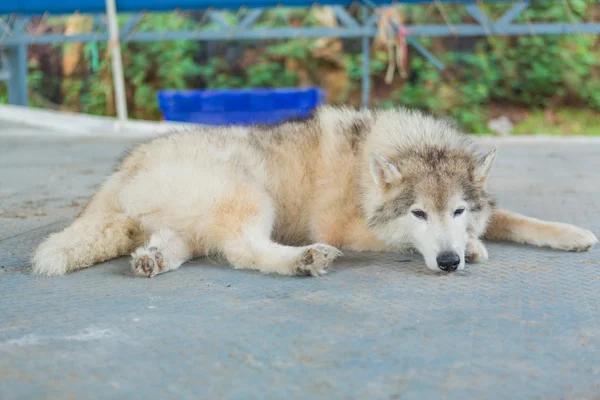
(316, 260)
(147, 262)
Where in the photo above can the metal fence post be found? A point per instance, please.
(17, 80)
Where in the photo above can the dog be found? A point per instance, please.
(286, 198)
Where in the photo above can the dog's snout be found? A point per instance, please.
(448, 261)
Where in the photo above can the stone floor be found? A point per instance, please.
(524, 325)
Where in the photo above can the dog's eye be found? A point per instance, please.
(459, 212)
(420, 214)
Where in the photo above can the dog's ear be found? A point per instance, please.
(383, 171)
(483, 167)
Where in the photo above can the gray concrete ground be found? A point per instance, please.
(525, 325)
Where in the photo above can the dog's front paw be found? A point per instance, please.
(573, 238)
(147, 262)
(316, 260)
(476, 251)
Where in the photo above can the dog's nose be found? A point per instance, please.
(448, 261)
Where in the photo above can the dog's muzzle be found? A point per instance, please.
(448, 261)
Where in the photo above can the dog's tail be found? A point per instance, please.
(513, 227)
(98, 234)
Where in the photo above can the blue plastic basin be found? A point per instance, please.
(239, 106)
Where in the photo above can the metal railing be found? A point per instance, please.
(15, 37)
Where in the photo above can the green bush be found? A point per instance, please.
(528, 71)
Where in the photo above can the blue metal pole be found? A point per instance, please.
(366, 61)
(17, 80)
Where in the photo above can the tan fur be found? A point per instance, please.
(276, 199)
(510, 226)
(232, 212)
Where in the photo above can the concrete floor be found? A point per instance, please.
(525, 325)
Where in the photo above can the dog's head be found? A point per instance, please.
(433, 199)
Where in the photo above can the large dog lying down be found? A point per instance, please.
(283, 199)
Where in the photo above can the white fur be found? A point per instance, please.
(440, 233)
(165, 251)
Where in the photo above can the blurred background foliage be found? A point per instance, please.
(539, 83)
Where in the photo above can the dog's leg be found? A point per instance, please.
(243, 221)
(510, 226)
(260, 253)
(165, 251)
(101, 232)
(476, 251)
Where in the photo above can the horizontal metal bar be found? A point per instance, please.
(229, 34)
(520, 29)
(257, 34)
(55, 38)
(286, 33)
